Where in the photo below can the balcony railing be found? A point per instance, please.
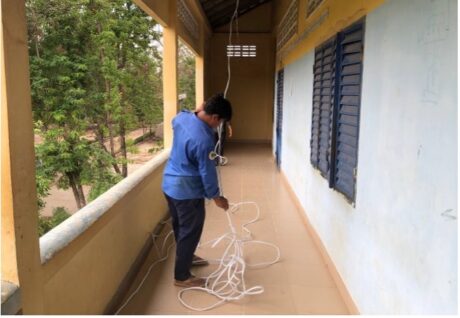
(87, 257)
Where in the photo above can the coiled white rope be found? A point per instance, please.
(227, 282)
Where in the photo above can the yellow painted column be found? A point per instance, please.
(9, 264)
(170, 102)
(199, 71)
(20, 244)
(199, 80)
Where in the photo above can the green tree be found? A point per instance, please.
(186, 70)
(95, 70)
(45, 224)
(59, 72)
(126, 61)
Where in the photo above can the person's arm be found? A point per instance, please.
(207, 168)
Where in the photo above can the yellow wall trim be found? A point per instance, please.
(352, 308)
(328, 19)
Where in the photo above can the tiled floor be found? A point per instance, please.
(298, 284)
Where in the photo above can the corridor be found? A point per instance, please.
(299, 283)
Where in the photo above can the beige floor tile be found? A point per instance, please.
(291, 228)
(319, 301)
(308, 275)
(275, 300)
(263, 229)
(273, 275)
(283, 207)
(294, 240)
(258, 254)
(298, 284)
(165, 299)
(301, 254)
(258, 196)
(154, 297)
(202, 300)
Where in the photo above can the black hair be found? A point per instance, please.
(218, 105)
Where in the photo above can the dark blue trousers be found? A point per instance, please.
(187, 221)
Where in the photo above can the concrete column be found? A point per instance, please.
(170, 102)
(20, 243)
(199, 70)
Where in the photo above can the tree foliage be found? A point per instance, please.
(45, 224)
(96, 74)
(95, 71)
(186, 70)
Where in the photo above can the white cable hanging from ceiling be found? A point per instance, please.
(227, 282)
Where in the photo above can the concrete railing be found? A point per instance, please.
(86, 258)
(11, 298)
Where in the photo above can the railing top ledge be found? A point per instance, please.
(11, 298)
(63, 234)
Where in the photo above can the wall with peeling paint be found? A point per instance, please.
(396, 250)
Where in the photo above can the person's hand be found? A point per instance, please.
(221, 202)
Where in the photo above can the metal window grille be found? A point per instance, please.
(312, 5)
(242, 50)
(288, 25)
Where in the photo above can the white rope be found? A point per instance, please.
(235, 14)
(217, 150)
(151, 267)
(216, 154)
(227, 282)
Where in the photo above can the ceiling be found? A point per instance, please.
(219, 12)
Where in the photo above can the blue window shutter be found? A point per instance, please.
(346, 117)
(279, 114)
(323, 106)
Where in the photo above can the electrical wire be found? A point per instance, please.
(161, 259)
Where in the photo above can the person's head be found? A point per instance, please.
(217, 109)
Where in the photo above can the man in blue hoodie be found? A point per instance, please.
(190, 176)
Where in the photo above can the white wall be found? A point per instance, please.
(397, 249)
